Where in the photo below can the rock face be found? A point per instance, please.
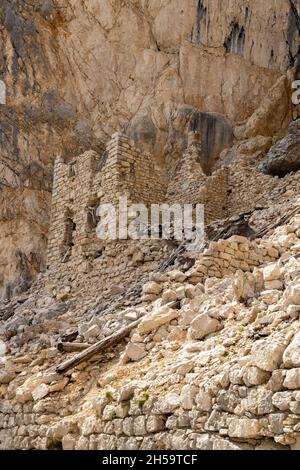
(213, 361)
(284, 157)
(76, 72)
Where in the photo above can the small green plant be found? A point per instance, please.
(109, 395)
(114, 416)
(143, 398)
(125, 403)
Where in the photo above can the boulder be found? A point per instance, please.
(168, 296)
(177, 276)
(282, 400)
(244, 428)
(267, 354)
(253, 376)
(292, 379)
(127, 391)
(68, 442)
(183, 367)
(292, 295)
(40, 392)
(156, 318)
(244, 286)
(93, 332)
(258, 402)
(291, 356)
(135, 351)
(202, 326)
(168, 404)
(6, 377)
(152, 288)
(283, 157)
(187, 397)
(24, 392)
(204, 400)
(155, 424)
(272, 272)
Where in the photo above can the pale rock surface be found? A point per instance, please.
(150, 79)
(267, 355)
(157, 318)
(135, 351)
(40, 391)
(292, 379)
(291, 356)
(202, 326)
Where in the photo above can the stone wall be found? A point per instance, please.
(249, 188)
(190, 185)
(89, 180)
(219, 373)
(78, 189)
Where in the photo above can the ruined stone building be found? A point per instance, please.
(123, 171)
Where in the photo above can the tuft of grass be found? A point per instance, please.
(114, 416)
(125, 403)
(142, 400)
(109, 395)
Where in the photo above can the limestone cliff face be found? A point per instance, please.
(76, 72)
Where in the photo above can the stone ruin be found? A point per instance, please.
(122, 171)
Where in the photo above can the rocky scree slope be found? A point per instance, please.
(221, 370)
(76, 73)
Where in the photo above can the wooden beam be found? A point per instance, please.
(72, 347)
(96, 348)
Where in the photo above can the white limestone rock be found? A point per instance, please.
(253, 376)
(109, 412)
(3, 348)
(282, 400)
(272, 272)
(168, 296)
(291, 356)
(292, 379)
(6, 377)
(187, 397)
(158, 277)
(177, 276)
(152, 288)
(68, 442)
(258, 402)
(155, 424)
(40, 392)
(267, 354)
(292, 295)
(243, 286)
(168, 404)
(93, 332)
(244, 428)
(135, 351)
(202, 326)
(183, 367)
(293, 311)
(204, 400)
(156, 318)
(23, 393)
(88, 426)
